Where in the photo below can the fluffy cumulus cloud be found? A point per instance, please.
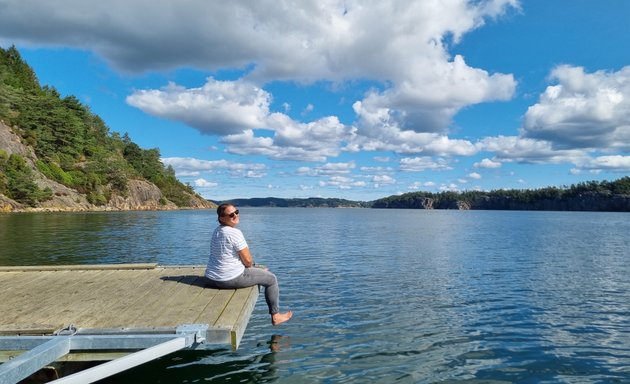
(203, 183)
(378, 132)
(583, 110)
(188, 166)
(219, 107)
(379, 180)
(400, 45)
(426, 97)
(525, 150)
(609, 163)
(583, 119)
(487, 163)
(235, 110)
(303, 40)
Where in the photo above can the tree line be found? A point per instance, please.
(589, 195)
(73, 145)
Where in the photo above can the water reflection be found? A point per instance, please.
(177, 237)
(210, 366)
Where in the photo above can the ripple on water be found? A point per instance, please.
(385, 296)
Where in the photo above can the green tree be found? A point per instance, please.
(73, 145)
(19, 183)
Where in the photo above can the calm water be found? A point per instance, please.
(384, 296)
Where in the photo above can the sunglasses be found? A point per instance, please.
(233, 214)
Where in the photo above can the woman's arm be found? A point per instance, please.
(246, 257)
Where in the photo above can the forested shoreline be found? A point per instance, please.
(54, 147)
(586, 196)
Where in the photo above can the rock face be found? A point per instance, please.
(142, 195)
(11, 143)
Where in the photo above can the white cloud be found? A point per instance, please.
(234, 110)
(417, 185)
(378, 131)
(217, 108)
(398, 45)
(182, 173)
(584, 110)
(449, 187)
(203, 183)
(426, 97)
(329, 169)
(487, 163)
(420, 164)
(342, 182)
(377, 169)
(383, 179)
(474, 175)
(616, 163)
(525, 150)
(582, 120)
(309, 108)
(185, 166)
(305, 40)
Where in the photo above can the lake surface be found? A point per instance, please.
(383, 296)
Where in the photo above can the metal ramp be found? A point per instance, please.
(143, 347)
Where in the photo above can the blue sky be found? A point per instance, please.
(350, 99)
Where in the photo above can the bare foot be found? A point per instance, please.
(279, 318)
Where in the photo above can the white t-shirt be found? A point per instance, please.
(224, 263)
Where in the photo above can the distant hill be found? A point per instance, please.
(587, 196)
(55, 154)
(311, 202)
(613, 196)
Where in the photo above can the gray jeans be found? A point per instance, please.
(254, 276)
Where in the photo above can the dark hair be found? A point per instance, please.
(221, 210)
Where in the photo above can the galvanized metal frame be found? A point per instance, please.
(148, 344)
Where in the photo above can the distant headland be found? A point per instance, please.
(603, 196)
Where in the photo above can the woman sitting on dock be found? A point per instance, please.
(231, 265)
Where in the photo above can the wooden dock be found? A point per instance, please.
(119, 299)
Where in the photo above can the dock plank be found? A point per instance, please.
(63, 289)
(41, 300)
(190, 301)
(131, 306)
(173, 291)
(34, 295)
(97, 298)
(217, 305)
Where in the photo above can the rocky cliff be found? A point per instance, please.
(141, 194)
